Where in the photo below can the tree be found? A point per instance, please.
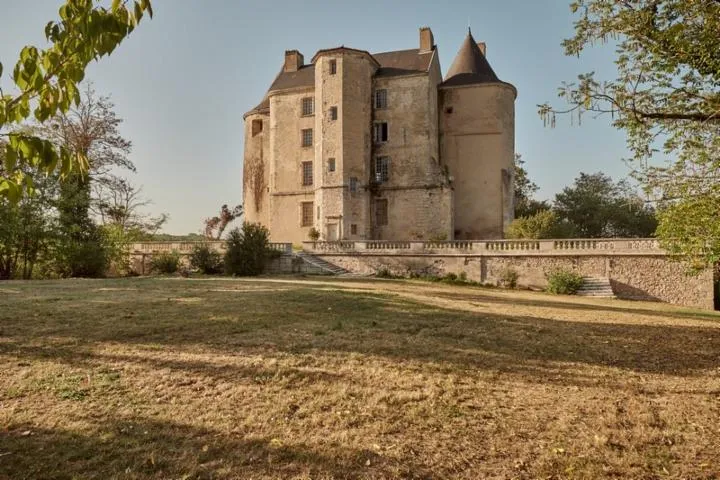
(247, 250)
(215, 226)
(525, 189)
(118, 203)
(541, 224)
(27, 228)
(47, 80)
(596, 207)
(665, 97)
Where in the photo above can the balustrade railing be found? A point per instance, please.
(493, 247)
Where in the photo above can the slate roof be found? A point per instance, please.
(391, 64)
(470, 66)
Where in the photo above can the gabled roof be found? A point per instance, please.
(470, 66)
(403, 62)
(390, 64)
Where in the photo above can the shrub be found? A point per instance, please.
(165, 263)
(84, 259)
(383, 272)
(206, 260)
(451, 277)
(564, 282)
(314, 234)
(248, 249)
(509, 278)
(543, 224)
(463, 277)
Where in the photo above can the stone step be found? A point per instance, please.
(321, 264)
(596, 287)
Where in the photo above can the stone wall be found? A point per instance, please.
(653, 278)
(477, 144)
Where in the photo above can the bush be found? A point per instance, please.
(451, 277)
(564, 282)
(543, 224)
(384, 272)
(83, 259)
(165, 263)
(509, 278)
(206, 260)
(247, 250)
(463, 277)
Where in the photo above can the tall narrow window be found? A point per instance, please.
(381, 99)
(333, 67)
(331, 164)
(257, 127)
(382, 169)
(381, 212)
(307, 214)
(307, 137)
(333, 113)
(307, 173)
(308, 106)
(353, 184)
(380, 132)
(353, 229)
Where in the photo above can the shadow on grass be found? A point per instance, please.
(307, 320)
(478, 296)
(144, 448)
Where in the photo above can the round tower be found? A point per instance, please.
(477, 143)
(256, 167)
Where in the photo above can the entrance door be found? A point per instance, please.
(332, 232)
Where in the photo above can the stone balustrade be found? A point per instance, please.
(615, 246)
(185, 248)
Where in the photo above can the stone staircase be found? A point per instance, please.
(325, 268)
(596, 287)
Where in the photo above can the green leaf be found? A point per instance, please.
(10, 159)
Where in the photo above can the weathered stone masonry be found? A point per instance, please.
(396, 151)
(638, 269)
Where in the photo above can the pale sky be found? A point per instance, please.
(183, 80)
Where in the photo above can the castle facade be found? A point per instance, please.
(363, 146)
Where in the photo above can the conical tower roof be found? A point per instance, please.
(470, 66)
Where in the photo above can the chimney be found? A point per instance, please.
(427, 42)
(293, 61)
(482, 47)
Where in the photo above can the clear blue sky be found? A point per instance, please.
(183, 80)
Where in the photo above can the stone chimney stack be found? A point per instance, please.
(483, 48)
(427, 42)
(293, 61)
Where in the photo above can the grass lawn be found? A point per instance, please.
(320, 379)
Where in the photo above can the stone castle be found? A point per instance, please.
(365, 146)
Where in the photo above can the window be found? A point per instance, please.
(307, 214)
(333, 113)
(257, 127)
(333, 67)
(318, 212)
(307, 137)
(353, 229)
(381, 212)
(353, 184)
(380, 132)
(381, 99)
(331, 164)
(308, 106)
(307, 173)
(382, 169)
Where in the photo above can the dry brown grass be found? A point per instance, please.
(153, 378)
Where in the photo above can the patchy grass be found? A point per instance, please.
(218, 378)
